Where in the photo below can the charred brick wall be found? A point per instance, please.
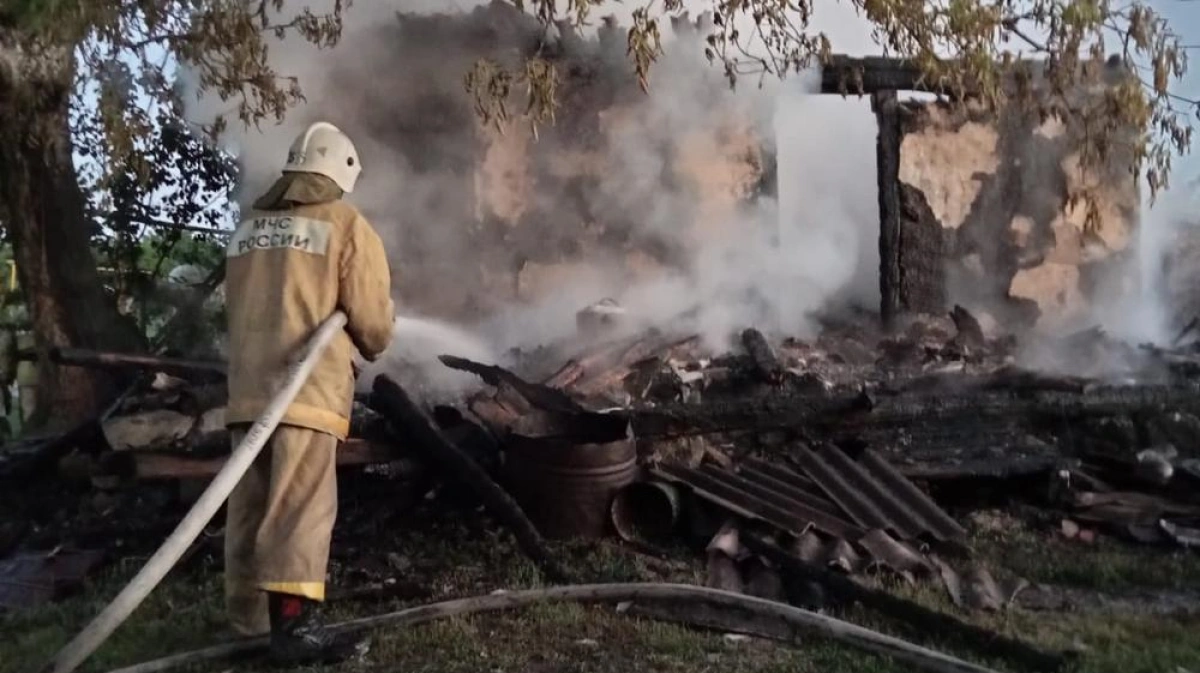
(1011, 242)
(923, 248)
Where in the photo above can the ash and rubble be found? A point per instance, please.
(811, 451)
(941, 398)
(805, 467)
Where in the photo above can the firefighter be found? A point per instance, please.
(297, 256)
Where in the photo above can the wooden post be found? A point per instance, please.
(887, 154)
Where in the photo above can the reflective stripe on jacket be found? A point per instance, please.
(297, 256)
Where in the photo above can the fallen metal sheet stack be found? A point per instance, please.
(836, 509)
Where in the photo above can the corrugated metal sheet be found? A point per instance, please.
(933, 519)
(874, 495)
(757, 500)
(831, 493)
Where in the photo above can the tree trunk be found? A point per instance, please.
(42, 211)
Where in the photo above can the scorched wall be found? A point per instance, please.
(991, 196)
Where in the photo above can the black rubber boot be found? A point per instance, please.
(298, 638)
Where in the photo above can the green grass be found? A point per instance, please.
(182, 614)
(450, 560)
(1103, 642)
(1104, 565)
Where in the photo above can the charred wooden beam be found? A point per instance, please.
(851, 413)
(537, 410)
(846, 591)
(887, 158)
(419, 433)
(970, 332)
(80, 357)
(543, 397)
(766, 364)
(762, 413)
(922, 253)
(1187, 329)
(171, 465)
(1008, 378)
(849, 75)
(982, 469)
(972, 400)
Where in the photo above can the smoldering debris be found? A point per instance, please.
(935, 394)
(940, 400)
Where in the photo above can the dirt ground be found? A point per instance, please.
(1123, 609)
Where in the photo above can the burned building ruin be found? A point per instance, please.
(839, 459)
(973, 210)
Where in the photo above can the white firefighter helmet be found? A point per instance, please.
(323, 149)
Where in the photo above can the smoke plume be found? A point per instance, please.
(754, 206)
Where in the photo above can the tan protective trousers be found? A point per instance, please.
(278, 524)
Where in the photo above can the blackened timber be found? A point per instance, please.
(43, 457)
(540, 396)
(970, 331)
(391, 401)
(923, 250)
(187, 465)
(887, 158)
(1007, 378)
(845, 591)
(766, 413)
(554, 414)
(848, 75)
(766, 364)
(849, 413)
(79, 357)
(968, 399)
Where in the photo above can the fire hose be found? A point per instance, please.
(116, 612)
(692, 605)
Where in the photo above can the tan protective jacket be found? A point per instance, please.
(300, 254)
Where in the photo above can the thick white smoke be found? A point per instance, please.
(1150, 289)
(772, 264)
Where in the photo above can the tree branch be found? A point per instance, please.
(1011, 26)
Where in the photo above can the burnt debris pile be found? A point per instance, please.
(800, 470)
(836, 443)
